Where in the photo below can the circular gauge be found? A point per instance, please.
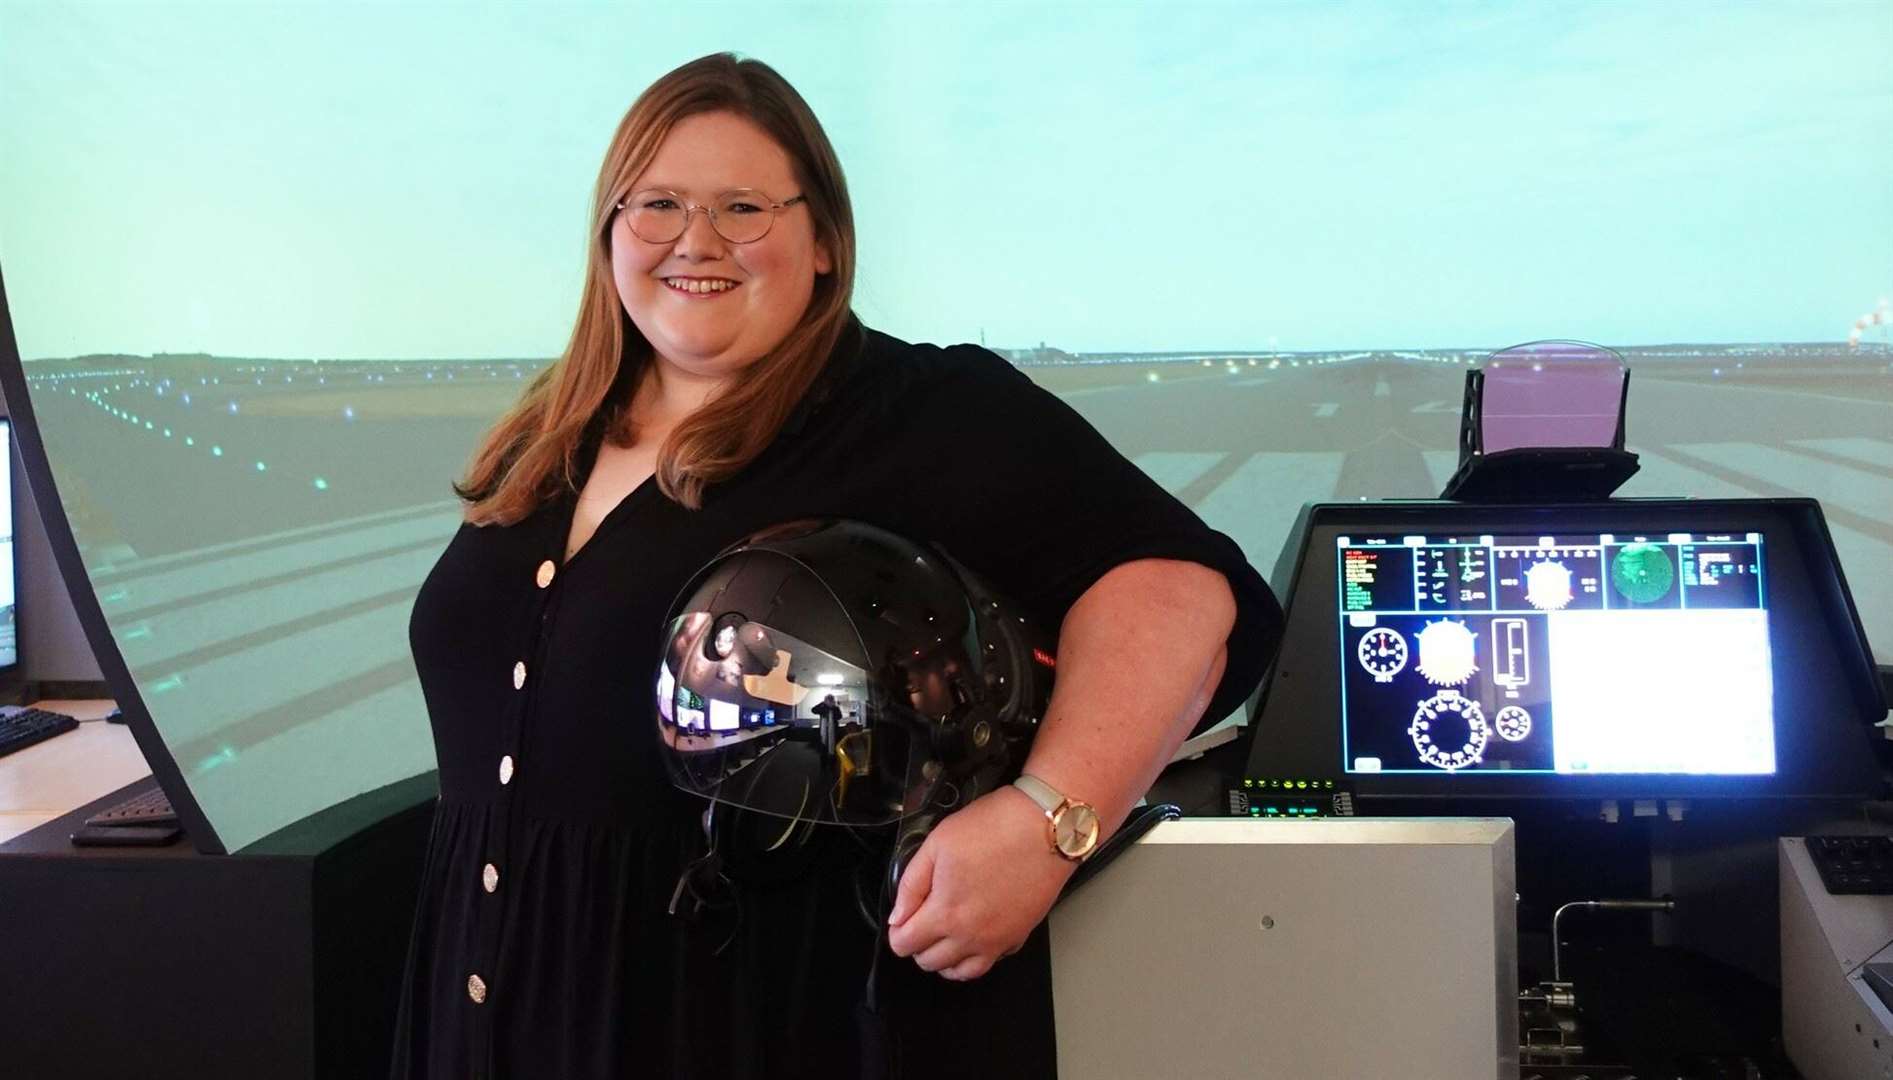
(1642, 573)
(1448, 652)
(1512, 723)
(1548, 586)
(1449, 731)
(1383, 652)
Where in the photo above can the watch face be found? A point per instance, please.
(1076, 830)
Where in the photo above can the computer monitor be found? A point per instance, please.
(1627, 648)
(1577, 653)
(9, 577)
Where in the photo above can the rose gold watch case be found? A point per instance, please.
(1056, 817)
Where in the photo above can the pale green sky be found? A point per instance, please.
(388, 180)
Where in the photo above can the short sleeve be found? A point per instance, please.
(1030, 495)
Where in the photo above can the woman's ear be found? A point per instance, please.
(823, 264)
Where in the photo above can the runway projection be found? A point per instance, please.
(273, 270)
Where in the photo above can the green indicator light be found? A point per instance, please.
(147, 425)
(321, 484)
(189, 441)
(167, 433)
(1248, 783)
(1330, 783)
(1255, 811)
(216, 451)
(1273, 810)
(1301, 783)
(259, 467)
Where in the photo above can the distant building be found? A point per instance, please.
(1043, 354)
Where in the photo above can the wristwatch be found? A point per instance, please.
(1072, 826)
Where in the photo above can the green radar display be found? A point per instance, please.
(1642, 573)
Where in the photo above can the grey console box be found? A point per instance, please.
(1283, 950)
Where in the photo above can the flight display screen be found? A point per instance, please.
(1572, 654)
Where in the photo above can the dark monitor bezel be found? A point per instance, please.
(85, 602)
(12, 509)
(1826, 693)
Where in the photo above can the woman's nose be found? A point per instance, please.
(700, 238)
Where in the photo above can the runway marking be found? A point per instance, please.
(1837, 486)
(1815, 395)
(1426, 407)
(1173, 470)
(251, 615)
(249, 589)
(1866, 451)
(371, 728)
(1326, 409)
(107, 573)
(230, 681)
(1257, 505)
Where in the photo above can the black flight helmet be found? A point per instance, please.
(829, 671)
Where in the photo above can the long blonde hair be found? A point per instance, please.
(532, 452)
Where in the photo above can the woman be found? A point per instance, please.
(716, 383)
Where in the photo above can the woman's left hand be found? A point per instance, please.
(978, 886)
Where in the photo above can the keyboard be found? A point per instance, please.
(150, 807)
(1853, 865)
(23, 729)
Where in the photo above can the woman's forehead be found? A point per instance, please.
(714, 152)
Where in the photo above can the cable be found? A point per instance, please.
(1112, 848)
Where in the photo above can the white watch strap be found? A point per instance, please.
(1040, 792)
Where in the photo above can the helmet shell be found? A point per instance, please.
(831, 671)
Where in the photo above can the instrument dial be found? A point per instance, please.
(1449, 731)
(1383, 652)
(1512, 723)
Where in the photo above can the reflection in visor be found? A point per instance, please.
(762, 718)
(745, 697)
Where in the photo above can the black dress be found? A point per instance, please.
(542, 946)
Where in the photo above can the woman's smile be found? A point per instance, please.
(699, 288)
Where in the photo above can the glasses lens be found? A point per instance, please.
(657, 217)
(743, 215)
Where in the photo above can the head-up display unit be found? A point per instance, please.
(1622, 649)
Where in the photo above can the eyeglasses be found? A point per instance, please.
(741, 216)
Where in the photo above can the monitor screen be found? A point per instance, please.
(1573, 653)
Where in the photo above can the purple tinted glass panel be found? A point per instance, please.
(1551, 393)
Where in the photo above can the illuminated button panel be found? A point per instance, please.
(1290, 797)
